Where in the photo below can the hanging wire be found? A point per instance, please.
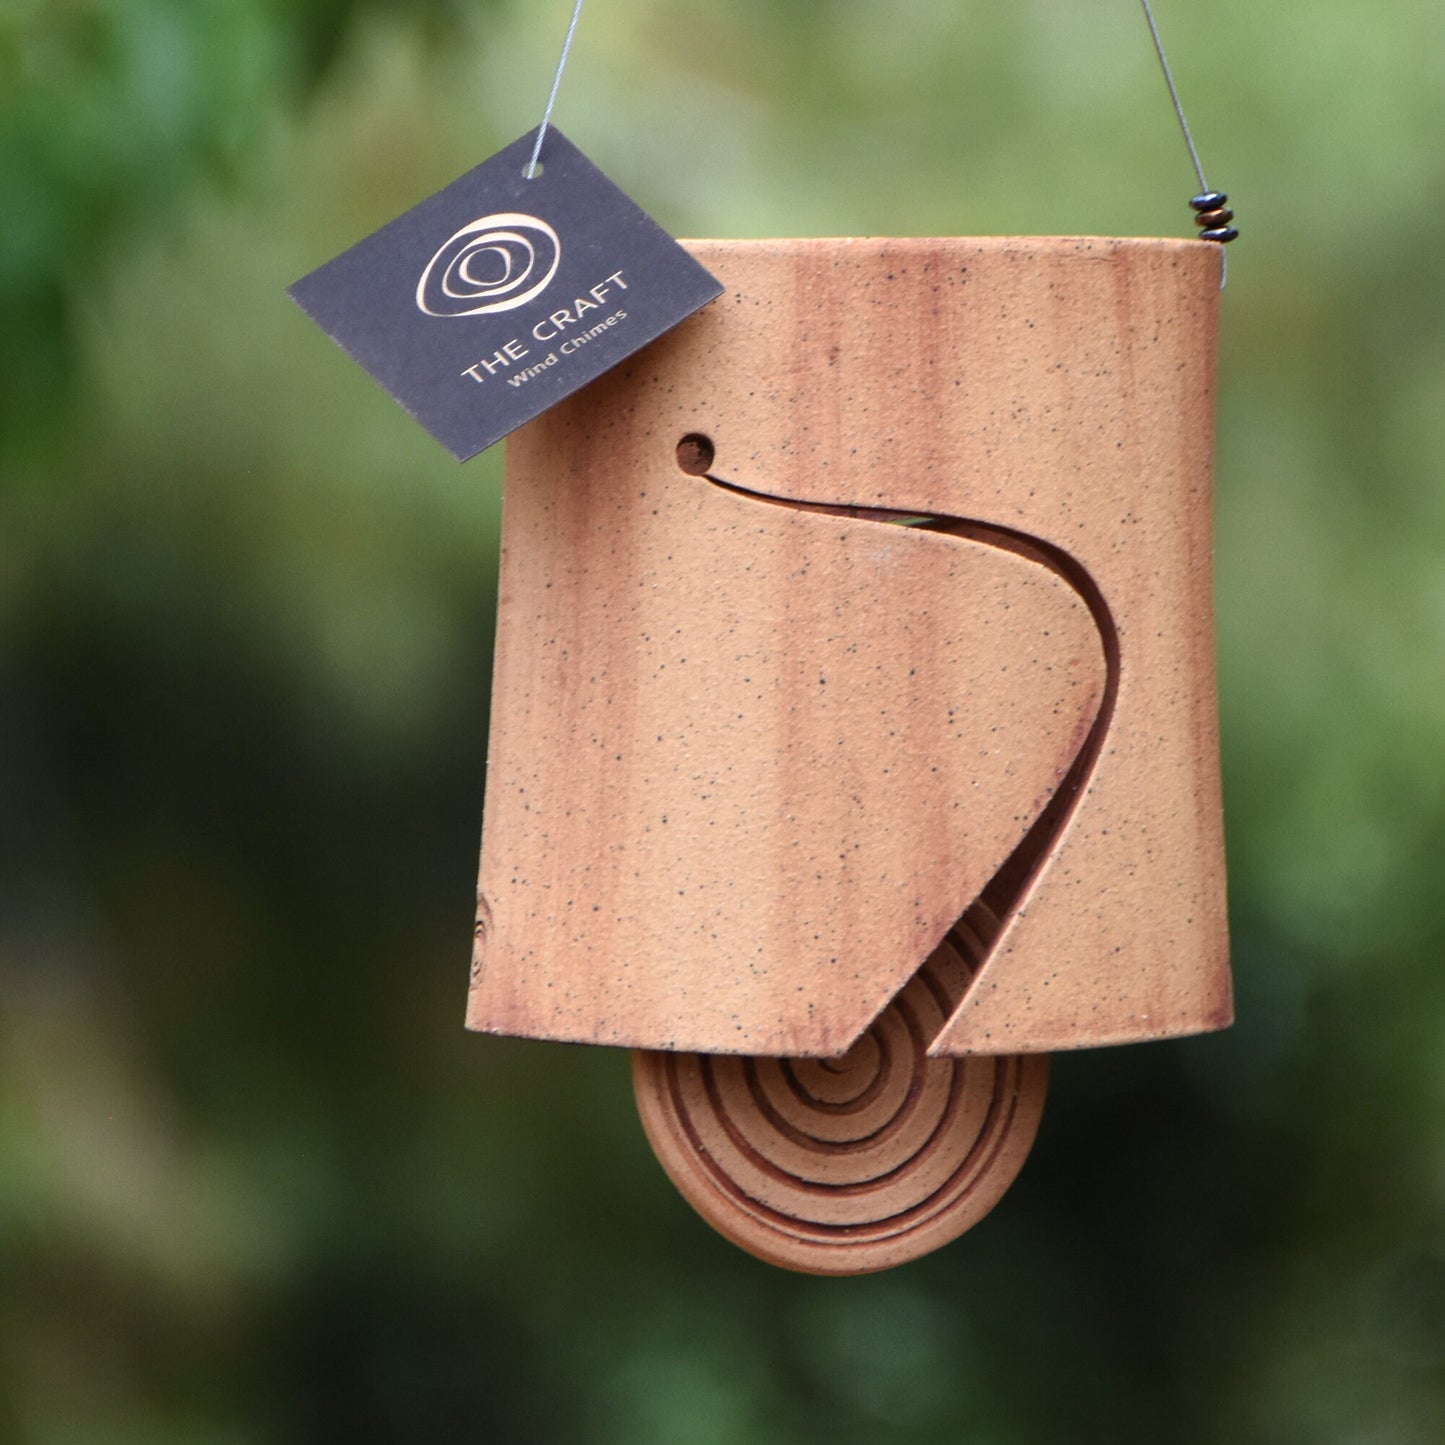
(1211, 212)
(531, 169)
(1174, 95)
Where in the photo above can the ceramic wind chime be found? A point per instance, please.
(853, 738)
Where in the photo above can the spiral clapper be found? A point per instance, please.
(852, 1164)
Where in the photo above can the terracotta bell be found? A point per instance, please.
(853, 737)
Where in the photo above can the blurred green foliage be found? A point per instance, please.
(255, 1183)
(108, 110)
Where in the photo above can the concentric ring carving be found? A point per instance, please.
(853, 1164)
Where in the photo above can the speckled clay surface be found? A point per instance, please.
(749, 762)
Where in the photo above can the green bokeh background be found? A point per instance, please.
(256, 1183)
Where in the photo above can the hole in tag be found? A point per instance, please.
(695, 454)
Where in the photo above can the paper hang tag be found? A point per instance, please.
(498, 296)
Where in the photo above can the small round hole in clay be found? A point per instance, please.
(695, 453)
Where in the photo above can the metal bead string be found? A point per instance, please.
(1211, 214)
(1213, 217)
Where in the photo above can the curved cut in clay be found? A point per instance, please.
(756, 746)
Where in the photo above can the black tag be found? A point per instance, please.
(498, 296)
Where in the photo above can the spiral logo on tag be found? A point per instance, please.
(494, 263)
